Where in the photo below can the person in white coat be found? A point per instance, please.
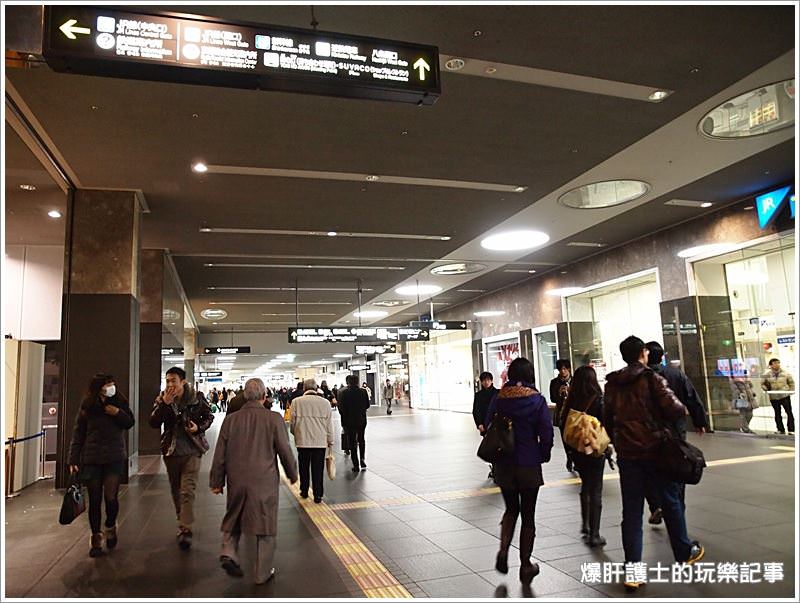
(312, 426)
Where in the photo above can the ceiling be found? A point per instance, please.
(121, 133)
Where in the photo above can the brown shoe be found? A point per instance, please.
(96, 544)
(111, 537)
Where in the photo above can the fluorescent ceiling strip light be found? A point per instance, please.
(301, 314)
(551, 79)
(580, 244)
(274, 303)
(237, 170)
(305, 266)
(320, 233)
(348, 289)
(471, 290)
(337, 258)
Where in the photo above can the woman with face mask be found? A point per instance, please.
(97, 454)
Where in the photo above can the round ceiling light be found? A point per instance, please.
(458, 268)
(484, 313)
(214, 314)
(604, 194)
(454, 64)
(710, 249)
(54, 213)
(391, 303)
(658, 95)
(761, 111)
(418, 290)
(515, 240)
(370, 314)
(564, 291)
(200, 167)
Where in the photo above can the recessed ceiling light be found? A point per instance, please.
(27, 187)
(458, 268)
(564, 291)
(519, 189)
(372, 178)
(489, 313)
(490, 70)
(418, 290)
(54, 213)
(748, 207)
(706, 204)
(515, 240)
(370, 314)
(455, 64)
(391, 303)
(712, 248)
(659, 95)
(758, 111)
(214, 314)
(332, 233)
(604, 194)
(687, 203)
(584, 244)
(200, 167)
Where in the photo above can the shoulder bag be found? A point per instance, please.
(74, 502)
(585, 433)
(498, 442)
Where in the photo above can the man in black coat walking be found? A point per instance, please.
(353, 405)
(480, 404)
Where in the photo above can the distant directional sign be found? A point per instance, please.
(191, 49)
(356, 334)
(441, 325)
(386, 348)
(208, 374)
(231, 350)
(171, 351)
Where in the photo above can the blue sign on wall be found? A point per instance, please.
(769, 205)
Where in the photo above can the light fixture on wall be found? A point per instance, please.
(709, 249)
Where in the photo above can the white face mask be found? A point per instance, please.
(110, 390)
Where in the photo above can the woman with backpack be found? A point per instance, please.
(586, 396)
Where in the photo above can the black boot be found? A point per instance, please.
(585, 516)
(506, 534)
(595, 511)
(527, 571)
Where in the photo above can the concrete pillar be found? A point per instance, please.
(100, 325)
(151, 312)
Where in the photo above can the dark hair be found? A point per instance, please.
(351, 380)
(631, 348)
(656, 352)
(584, 387)
(773, 360)
(486, 375)
(520, 369)
(176, 370)
(96, 384)
(563, 363)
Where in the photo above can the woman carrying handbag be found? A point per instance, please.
(586, 396)
(97, 454)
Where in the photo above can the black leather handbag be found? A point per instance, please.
(498, 441)
(74, 502)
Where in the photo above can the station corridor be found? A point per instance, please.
(421, 521)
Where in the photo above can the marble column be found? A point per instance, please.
(100, 323)
(151, 312)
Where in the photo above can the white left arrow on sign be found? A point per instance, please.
(69, 29)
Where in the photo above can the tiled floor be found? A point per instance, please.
(435, 545)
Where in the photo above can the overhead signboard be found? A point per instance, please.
(358, 367)
(769, 205)
(440, 325)
(231, 350)
(171, 351)
(356, 334)
(209, 374)
(367, 350)
(200, 50)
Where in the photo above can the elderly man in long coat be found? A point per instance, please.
(249, 443)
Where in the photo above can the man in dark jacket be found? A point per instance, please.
(480, 405)
(185, 419)
(353, 406)
(637, 402)
(559, 389)
(684, 390)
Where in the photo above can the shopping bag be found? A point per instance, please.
(345, 441)
(74, 502)
(584, 433)
(330, 464)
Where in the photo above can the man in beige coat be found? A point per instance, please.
(250, 440)
(312, 426)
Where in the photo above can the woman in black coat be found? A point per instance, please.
(97, 454)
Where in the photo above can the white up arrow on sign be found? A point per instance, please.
(422, 65)
(68, 30)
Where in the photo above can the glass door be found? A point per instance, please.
(546, 352)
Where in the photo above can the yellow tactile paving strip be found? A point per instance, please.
(372, 577)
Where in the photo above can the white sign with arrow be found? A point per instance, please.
(423, 66)
(69, 29)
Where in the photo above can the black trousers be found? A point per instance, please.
(591, 471)
(313, 459)
(355, 437)
(786, 403)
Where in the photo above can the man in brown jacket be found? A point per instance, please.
(249, 443)
(638, 403)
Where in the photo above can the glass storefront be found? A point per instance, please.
(747, 301)
(395, 369)
(440, 371)
(499, 355)
(601, 317)
(546, 354)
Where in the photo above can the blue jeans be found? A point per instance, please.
(634, 476)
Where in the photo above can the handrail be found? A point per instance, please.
(10, 441)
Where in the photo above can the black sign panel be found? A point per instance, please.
(356, 334)
(209, 374)
(440, 325)
(231, 350)
(368, 350)
(171, 351)
(201, 50)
